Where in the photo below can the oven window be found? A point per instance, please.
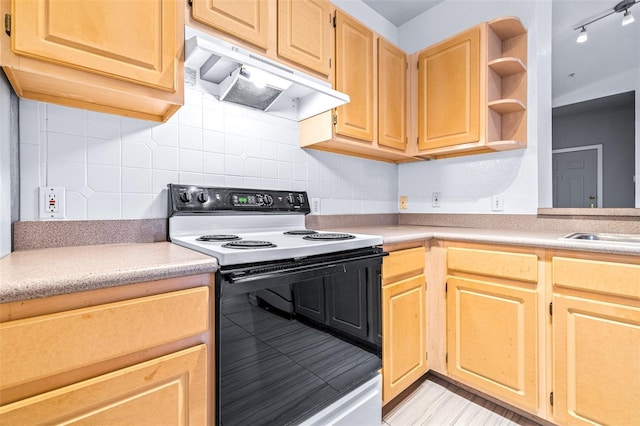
(288, 351)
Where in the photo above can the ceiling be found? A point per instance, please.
(610, 50)
(400, 11)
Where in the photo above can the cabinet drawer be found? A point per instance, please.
(166, 390)
(620, 279)
(34, 348)
(518, 266)
(403, 263)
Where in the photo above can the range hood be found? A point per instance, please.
(233, 74)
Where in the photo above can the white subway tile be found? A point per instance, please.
(75, 206)
(251, 128)
(190, 178)
(190, 138)
(159, 205)
(252, 182)
(136, 155)
(62, 119)
(269, 131)
(193, 97)
(269, 169)
(190, 115)
(103, 151)
(68, 175)
(300, 172)
(285, 171)
(233, 124)
(233, 165)
(103, 178)
(161, 178)
(213, 180)
(136, 180)
(213, 163)
(269, 150)
(65, 147)
(136, 206)
(135, 131)
(104, 206)
(213, 119)
(165, 158)
(252, 167)
(285, 153)
(213, 141)
(234, 144)
(104, 126)
(234, 181)
(190, 161)
(29, 116)
(253, 148)
(165, 134)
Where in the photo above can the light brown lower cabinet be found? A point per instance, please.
(492, 322)
(170, 390)
(138, 354)
(596, 339)
(404, 334)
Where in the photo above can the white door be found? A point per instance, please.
(575, 178)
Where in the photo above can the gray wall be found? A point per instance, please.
(9, 170)
(614, 128)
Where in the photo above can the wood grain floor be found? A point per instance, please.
(438, 402)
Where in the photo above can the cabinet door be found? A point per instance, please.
(304, 33)
(132, 41)
(404, 335)
(168, 390)
(246, 20)
(596, 364)
(492, 339)
(392, 96)
(354, 76)
(449, 92)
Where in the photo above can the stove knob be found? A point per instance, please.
(290, 199)
(268, 200)
(203, 197)
(185, 197)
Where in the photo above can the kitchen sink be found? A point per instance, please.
(598, 236)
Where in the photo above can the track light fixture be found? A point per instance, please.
(623, 6)
(582, 37)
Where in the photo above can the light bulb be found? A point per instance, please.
(627, 18)
(582, 37)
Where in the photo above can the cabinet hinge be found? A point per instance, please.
(551, 399)
(191, 3)
(446, 358)
(425, 285)
(426, 356)
(329, 62)
(418, 140)
(334, 22)
(7, 24)
(446, 286)
(418, 65)
(335, 119)
(551, 309)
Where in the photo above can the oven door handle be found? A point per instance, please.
(259, 280)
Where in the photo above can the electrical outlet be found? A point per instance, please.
(51, 202)
(404, 201)
(497, 203)
(436, 198)
(315, 206)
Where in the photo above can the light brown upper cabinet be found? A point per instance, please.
(354, 76)
(115, 57)
(373, 73)
(449, 92)
(295, 32)
(472, 91)
(392, 96)
(303, 34)
(246, 20)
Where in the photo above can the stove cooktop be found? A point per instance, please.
(239, 225)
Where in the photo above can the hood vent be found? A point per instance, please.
(233, 74)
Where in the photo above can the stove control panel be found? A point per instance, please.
(192, 199)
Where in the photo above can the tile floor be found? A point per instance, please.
(438, 402)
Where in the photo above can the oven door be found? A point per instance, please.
(293, 337)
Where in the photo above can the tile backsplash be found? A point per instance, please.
(118, 168)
